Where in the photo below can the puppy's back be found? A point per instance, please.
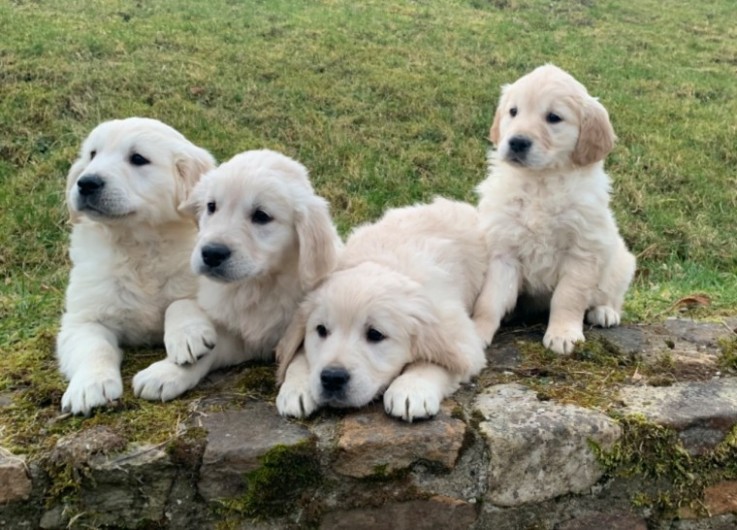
(436, 242)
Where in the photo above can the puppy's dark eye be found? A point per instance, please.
(139, 160)
(211, 207)
(322, 331)
(552, 117)
(92, 154)
(513, 112)
(260, 217)
(374, 335)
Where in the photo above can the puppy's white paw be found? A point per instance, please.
(562, 341)
(410, 397)
(163, 381)
(186, 344)
(91, 388)
(295, 399)
(603, 316)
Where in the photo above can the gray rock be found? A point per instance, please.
(436, 512)
(236, 440)
(608, 521)
(627, 339)
(700, 333)
(701, 412)
(128, 488)
(539, 450)
(77, 448)
(15, 482)
(372, 443)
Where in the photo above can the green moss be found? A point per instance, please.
(258, 381)
(671, 477)
(186, 450)
(728, 356)
(275, 488)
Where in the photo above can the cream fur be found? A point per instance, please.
(413, 278)
(547, 217)
(244, 305)
(129, 247)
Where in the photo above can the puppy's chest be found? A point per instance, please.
(536, 223)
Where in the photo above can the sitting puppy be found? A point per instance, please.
(265, 239)
(129, 248)
(393, 318)
(545, 211)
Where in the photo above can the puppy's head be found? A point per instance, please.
(257, 216)
(359, 329)
(137, 170)
(547, 120)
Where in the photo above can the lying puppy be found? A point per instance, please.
(129, 248)
(265, 239)
(393, 318)
(545, 210)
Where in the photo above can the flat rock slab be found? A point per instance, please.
(627, 339)
(702, 412)
(700, 333)
(372, 443)
(539, 449)
(719, 499)
(236, 440)
(15, 484)
(437, 512)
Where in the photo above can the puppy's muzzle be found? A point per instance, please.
(334, 381)
(519, 147)
(90, 185)
(215, 254)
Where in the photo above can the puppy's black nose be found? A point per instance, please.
(215, 254)
(519, 144)
(334, 379)
(90, 184)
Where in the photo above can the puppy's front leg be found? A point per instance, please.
(419, 390)
(89, 357)
(498, 296)
(188, 332)
(570, 300)
(295, 398)
(165, 380)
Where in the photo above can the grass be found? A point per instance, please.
(386, 103)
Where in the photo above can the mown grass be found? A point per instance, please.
(386, 103)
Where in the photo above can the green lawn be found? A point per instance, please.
(386, 103)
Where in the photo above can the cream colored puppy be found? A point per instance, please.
(265, 239)
(545, 210)
(129, 249)
(394, 317)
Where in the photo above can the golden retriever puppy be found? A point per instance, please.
(545, 210)
(394, 317)
(129, 250)
(264, 240)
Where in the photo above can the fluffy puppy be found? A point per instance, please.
(129, 247)
(393, 317)
(265, 239)
(545, 210)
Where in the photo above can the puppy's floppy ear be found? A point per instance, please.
(191, 205)
(494, 133)
(445, 336)
(318, 241)
(191, 162)
(596, 135)
(74, 172)
(292, 340)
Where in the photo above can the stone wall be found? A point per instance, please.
(523, 447)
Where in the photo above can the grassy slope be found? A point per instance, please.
(386, 103)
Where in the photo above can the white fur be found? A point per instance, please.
(413, 278)
(244, 304)
(129, 247)
(547, 217)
